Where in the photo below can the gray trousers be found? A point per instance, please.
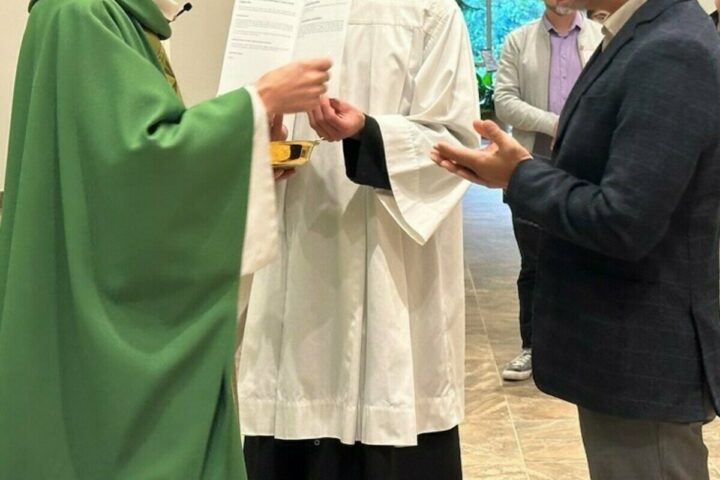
(628, 449)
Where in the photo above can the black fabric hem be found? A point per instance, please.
(365, 161)
(437, 456)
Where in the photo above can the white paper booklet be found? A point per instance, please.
(266, 34)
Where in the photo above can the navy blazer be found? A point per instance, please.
(626, 314)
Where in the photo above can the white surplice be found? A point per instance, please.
(261, 243)
(357, 331)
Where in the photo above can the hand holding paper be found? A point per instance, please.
(281, 174)
(336, 120)
(296, 87)
(278, 131)
(265, 35)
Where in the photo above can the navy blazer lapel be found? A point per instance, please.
(602, 59)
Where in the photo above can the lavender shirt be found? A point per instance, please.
(565, 63)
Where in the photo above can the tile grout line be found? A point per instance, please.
(499, 378)
(495, 245)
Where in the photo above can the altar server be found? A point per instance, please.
(352, 361)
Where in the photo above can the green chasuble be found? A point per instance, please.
(120, 249)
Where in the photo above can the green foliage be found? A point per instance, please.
(476, 20)
(510, 14)
(507, 15)
(486, 90)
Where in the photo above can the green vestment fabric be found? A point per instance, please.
(120, 249)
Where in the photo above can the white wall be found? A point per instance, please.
(198, 46)
(13, 15)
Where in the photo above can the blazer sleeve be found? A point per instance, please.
(659, 139)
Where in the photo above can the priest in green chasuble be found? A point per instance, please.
(120, 243)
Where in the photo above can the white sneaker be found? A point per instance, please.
(520, 368)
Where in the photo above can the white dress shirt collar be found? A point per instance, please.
(617, 20)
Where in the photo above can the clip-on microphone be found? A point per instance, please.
(185, 8)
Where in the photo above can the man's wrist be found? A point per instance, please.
(518, 165)
(358, 135)
(266, 98)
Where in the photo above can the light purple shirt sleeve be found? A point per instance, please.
(565, 63)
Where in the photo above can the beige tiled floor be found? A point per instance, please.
(512, 431)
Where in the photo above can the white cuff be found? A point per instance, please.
(261, 226)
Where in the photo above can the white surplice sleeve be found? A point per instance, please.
(261, 230)
(261, 243)
(443, 107)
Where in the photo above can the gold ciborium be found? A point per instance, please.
(291, 153)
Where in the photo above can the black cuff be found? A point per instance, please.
(365, 162)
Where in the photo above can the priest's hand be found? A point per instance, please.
(296, 87)
(283, 173)
(491, 166)
(336, 120)
(278, 131)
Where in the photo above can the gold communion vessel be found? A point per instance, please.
(292, 153)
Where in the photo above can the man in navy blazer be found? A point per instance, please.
(626, 308)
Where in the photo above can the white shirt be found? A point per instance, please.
(708, 6)
(615, 22)
(357, 331)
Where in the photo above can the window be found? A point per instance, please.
(505, 16)
(489, 22)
